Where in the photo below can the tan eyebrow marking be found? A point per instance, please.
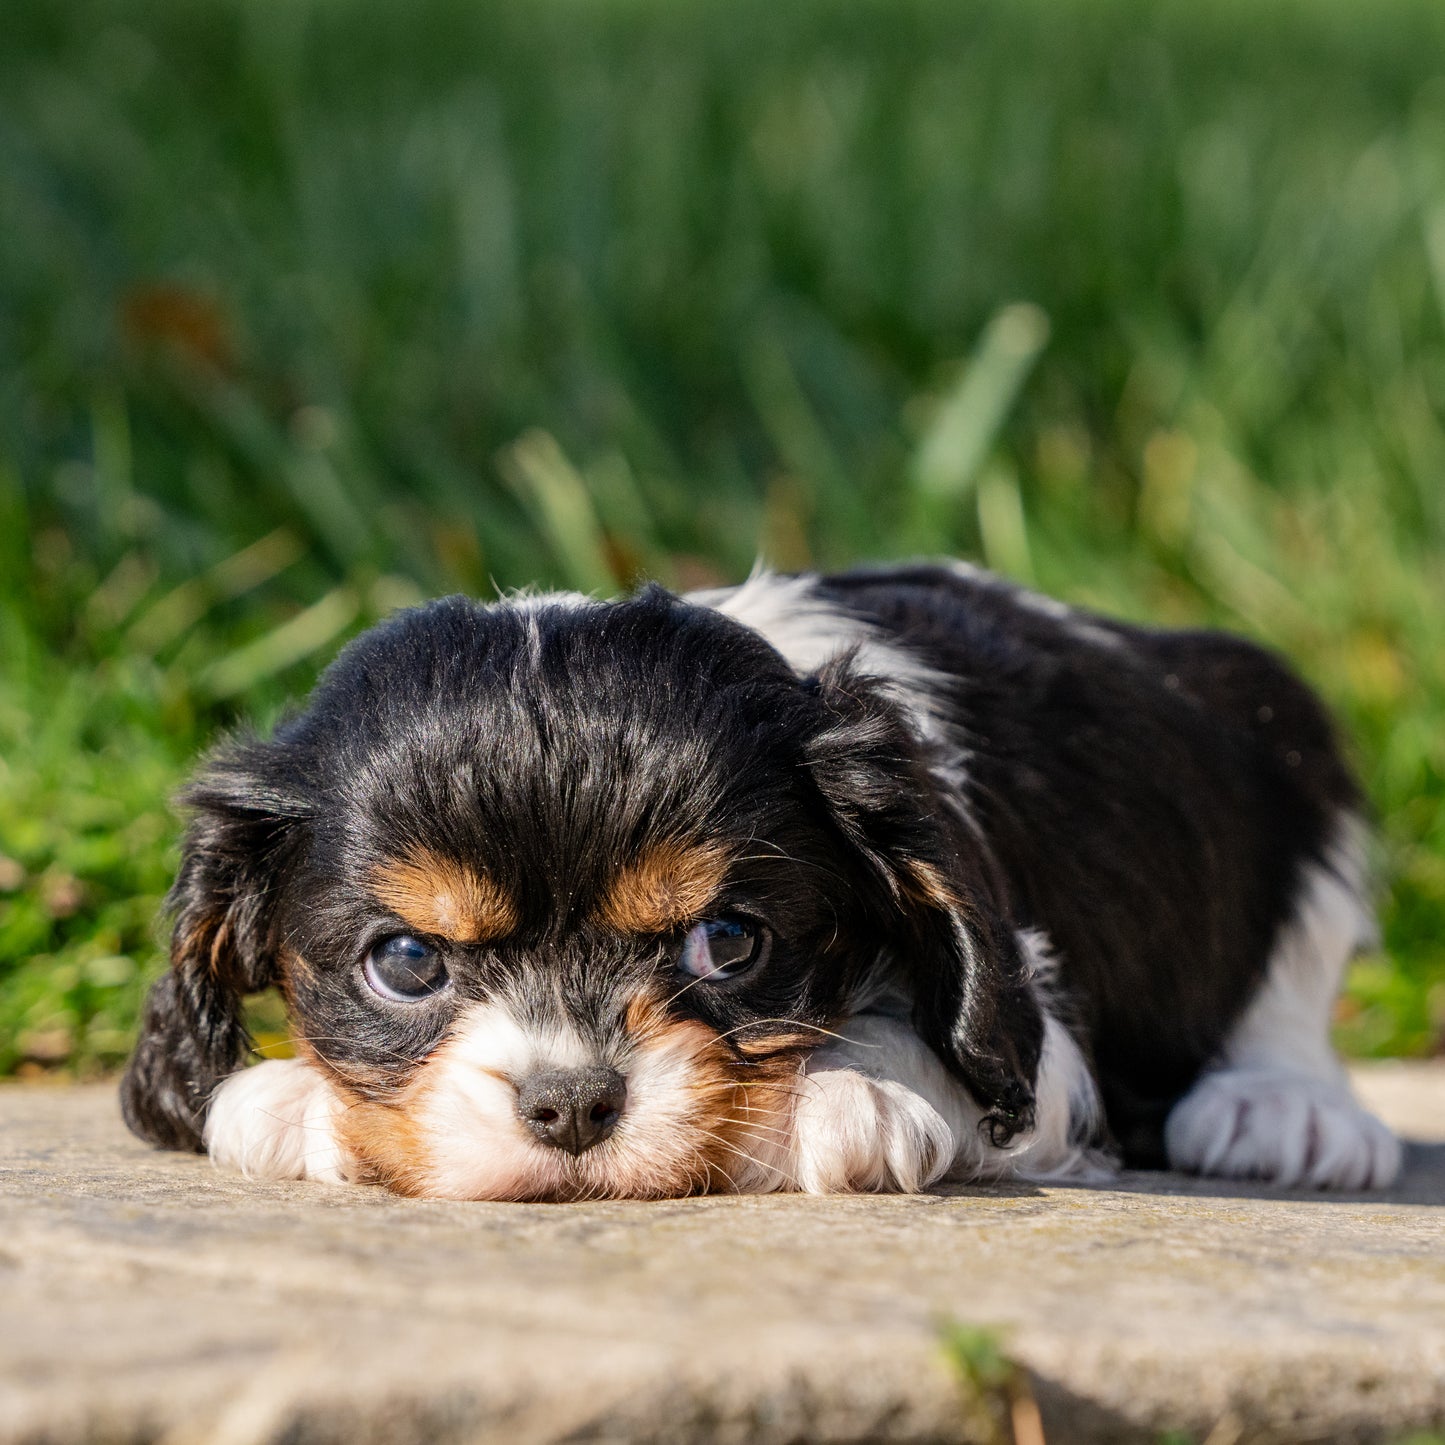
(669, 884)
(437, 895)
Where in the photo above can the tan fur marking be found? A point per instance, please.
(667, 886)
(768, 1045)
(741, 1109)
(436, 895)
(715, 1098)
(758, 1120)
(220, 946)
(370, 1084)
(930, 886)
(202, 942)
(387, 1146)
(293, 967)
(646, 1016)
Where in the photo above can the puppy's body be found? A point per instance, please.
(1023, 890)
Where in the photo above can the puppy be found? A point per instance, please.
(818, 883)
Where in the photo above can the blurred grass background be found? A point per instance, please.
(311, 309)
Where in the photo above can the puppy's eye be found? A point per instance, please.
(405, 970)
(723, 948)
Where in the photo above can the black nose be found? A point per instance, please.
(572, 1108)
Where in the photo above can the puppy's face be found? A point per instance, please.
(572, 909)
(560, 896)
(646, 1047)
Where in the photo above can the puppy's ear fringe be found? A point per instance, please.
(984, 1019)
(973, 1002)
(245, 824)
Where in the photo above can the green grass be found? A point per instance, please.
(995, 1395)
(310, 309)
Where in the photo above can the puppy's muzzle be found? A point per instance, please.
(572, 1109)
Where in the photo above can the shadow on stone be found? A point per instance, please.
(1422, 1182)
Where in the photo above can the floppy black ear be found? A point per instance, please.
(973, 1003)
(191, 1033)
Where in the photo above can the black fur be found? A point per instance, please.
(244, 835)
(1146, 798)
(1149, 797)
(972, 1001)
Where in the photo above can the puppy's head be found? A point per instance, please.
(560, 895)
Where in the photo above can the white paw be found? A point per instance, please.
(276, 1120)
(1289, 1129)
(851, 1132)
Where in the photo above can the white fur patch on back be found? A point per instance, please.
(810, 631)
(1077, 624)
(1277, 1105)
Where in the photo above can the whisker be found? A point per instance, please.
(296, 1123)
(692, 983)
(593, 1190)
(709, 1165)
(756, 1122)
(702, 1182)
(800, 1024)
(743, 1155)
(762, 1140)
(785, 1174)
(777, 1129)
(313, 1153)
(751, 1159)
(295, 1039)
(764, 1123)
(779, 854)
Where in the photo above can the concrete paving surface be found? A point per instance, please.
(147, 1297)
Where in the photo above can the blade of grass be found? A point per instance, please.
(292, 642)
(968, 420)
(173, 615)
(1002, 526)
(555, 493)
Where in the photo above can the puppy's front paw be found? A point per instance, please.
(1289, 1129)
(276, 1120)
(852, 1132)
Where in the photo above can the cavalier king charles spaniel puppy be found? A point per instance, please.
(822, 883)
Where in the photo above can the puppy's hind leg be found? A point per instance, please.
(1276, 1105)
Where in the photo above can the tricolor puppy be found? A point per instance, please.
(819, 883)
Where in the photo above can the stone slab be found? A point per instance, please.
(147, 1297)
